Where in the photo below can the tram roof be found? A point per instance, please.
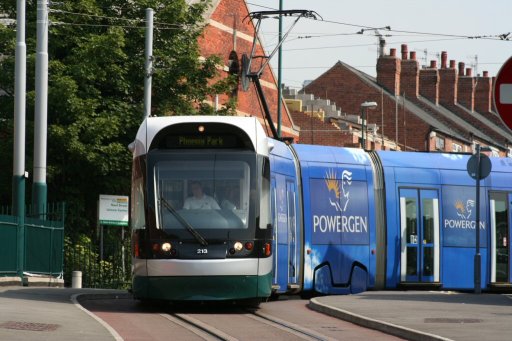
(152, 125)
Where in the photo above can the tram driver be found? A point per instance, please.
(199, 200)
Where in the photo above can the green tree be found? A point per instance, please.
(96, 87)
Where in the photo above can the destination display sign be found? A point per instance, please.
(202, 141)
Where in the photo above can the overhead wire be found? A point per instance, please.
(141, 22)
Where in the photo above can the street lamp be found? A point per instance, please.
(364, 112)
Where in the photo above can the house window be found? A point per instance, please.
(457, 148)
(439, 143)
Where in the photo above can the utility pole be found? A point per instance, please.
(148, 70)
(279, 71)
(18, 178)
(39, 187)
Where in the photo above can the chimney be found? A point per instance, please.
(447, 82)
(444, 59)
(409, 77)
(483, 93)
(461, 69)
(388, 72)
(429, 82)
(404, 52)
(466, 88)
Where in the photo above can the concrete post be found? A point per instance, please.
(18, 178)
(39, 187)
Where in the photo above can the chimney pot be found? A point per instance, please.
(468, 71)
(412, 55)
(444, 59)
(486, 73)
(392, 52)
(404, 51)
(461, 68)
(452, 64)
(433, 64)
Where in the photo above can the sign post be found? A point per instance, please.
(113, 210)
(503, 93)
(478, 167)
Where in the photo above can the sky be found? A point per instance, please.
(468, 30)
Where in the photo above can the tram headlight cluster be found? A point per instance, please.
(166, 247)
(240, 246)
(163, 248)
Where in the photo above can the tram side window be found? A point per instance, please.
(265, 211)
(138, 218)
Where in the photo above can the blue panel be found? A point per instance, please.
(423, 160)
(392, 230)
(499, 181)
(457, 177)
(417, 176)
(358, 282)
(458, 216)
(331, 154)
(457, 268)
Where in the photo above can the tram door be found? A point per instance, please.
(293, 261)
(286, 262)
(419, 217)
(273, 206)
(500, 206)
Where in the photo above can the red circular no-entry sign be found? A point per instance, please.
(503, 93)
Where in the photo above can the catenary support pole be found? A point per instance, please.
(39, 187)
(148, 70)
(18, 178)
(279, 72)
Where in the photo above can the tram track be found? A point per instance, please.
(209, 332)
(201, 329)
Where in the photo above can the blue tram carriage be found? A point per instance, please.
(322, 204)
(430, 222)
(347, 220)
(219, 252)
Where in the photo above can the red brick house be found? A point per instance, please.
(229, 34)
(445, 109)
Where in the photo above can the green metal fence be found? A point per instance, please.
(43, 243)
(8, 245)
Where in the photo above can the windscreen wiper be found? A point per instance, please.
(185, 223)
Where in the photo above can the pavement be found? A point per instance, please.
(43, 313)
(425, 315)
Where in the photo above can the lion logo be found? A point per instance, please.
(340, 189)
(464, 212)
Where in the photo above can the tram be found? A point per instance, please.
(347, 220)
(295, 218)
(200, 209)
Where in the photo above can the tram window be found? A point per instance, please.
(265, 213)
(227, 182)
(138, 219)
(428, 221)
(411, 220)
